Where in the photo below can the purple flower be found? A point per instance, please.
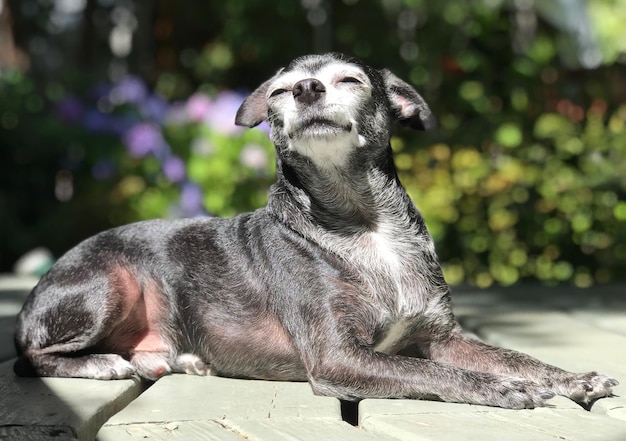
(191, 200)
(198, 107)
(96, 121)
(118, 125)
(144, 138)
(70, 109)
(130, 89)
(154, 108)
(174, 169)
(222, 115)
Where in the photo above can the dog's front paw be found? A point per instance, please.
(507, 391)
(587, 387)
(519, 393)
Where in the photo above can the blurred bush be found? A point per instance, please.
(152, 157)
(546, 204)
(525, 179)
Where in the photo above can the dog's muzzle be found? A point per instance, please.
(314, 123)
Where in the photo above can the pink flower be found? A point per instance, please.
(221, 118)
(198, 107)
(254, 157)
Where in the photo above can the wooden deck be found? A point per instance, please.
(579, 330)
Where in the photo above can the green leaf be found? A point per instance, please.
(552, 125)
(509, 135)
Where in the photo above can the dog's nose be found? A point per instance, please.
(308, 91)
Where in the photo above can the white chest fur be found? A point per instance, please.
(388, 261)
(392, 335)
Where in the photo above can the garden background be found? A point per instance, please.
(113, 111)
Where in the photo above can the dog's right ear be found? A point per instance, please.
(407, 105)
(253, 110)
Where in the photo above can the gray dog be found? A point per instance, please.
(335, 281)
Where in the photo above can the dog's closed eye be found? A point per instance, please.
(350, 80)
(278, 92)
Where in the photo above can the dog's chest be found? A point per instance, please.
(400, 281)
(391, 264)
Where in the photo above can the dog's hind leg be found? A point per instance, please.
(63, 338)
(99, 327)
(97, 366)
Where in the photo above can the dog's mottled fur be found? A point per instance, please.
(335, 281)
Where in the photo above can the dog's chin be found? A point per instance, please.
(319, 129)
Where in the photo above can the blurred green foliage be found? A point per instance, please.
(524, 180)
(550, 209)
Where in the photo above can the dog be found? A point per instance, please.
(335, 281)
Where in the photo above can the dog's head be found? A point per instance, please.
(327, 106)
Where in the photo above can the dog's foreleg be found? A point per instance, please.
(360, 373)
(467, 353)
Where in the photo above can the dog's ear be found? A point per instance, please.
(253, 110)
(407, 105)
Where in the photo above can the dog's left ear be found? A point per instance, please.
(407, 105)
(253, 110)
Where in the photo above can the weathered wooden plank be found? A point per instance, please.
(182, 397)
(302, 429)
(192, 407)
(289, 429)
(184, 431)
(603, 318)
(60, 404)
(557, 336)
(36, 433)
(414, 420)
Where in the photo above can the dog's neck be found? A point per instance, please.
(347, 200)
